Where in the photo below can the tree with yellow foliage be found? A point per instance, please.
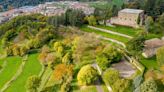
(87, 75)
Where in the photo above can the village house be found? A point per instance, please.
(151, 47)
(129, 17)
(29, 9)
(3, 19)
(84, 7)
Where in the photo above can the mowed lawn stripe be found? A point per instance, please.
(32, 67)
(121, 29)
(12, 64)
(108, 35)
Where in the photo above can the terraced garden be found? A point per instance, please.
(105, 34)
(32, 67)
(12, 63)
(121, 29)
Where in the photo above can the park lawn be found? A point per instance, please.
(150, 63)
(32, 67)
(121, 29)
(10, 69)
(104, 34)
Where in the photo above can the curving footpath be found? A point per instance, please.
(3, 66)
(112, 40)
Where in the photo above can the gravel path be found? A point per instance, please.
(112, 40)
(111, 32)
(98, 84)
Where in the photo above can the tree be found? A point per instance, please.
(149, 23)
(135, 46)
(74, 17)
(108, 55)
(67, 59)
(149, 86)
(58, 46)
(87, 75)
(122, 85)
(107, 12)
(161, 22)
(23, 50)
(62, 72)
(112, 53)
(50, 57)
(110, 76)
(160, 56)
(42, 58)
(103, 61)
(65, 87)
(153, 8)
(91, 20)
(32, 84)
(15, 50)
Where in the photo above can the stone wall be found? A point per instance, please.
(127, 19)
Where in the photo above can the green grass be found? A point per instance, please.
(108, 35)
(121, 29)
(149, 63)
(13, 64)
(32, 67)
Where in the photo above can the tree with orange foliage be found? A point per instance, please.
(62, 70)
(43, 55)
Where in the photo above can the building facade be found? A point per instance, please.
(129, 17)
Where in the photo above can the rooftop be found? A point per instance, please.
(131, 11)
(153, 43)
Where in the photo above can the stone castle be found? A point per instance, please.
(129, 17)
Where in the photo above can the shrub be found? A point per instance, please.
(87, 75)
(122, 85)
(33, 83)
(160, 56)
(149, 86)
(110, 76)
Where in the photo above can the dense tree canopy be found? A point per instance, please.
(87, 75)
(160, 56)
(149, 86)
(110, 76)
(122, 85)
(108, 55)
(33, 83)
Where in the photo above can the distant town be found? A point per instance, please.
(47, 9)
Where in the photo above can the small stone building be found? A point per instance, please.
(129, 17)
(151, 47)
